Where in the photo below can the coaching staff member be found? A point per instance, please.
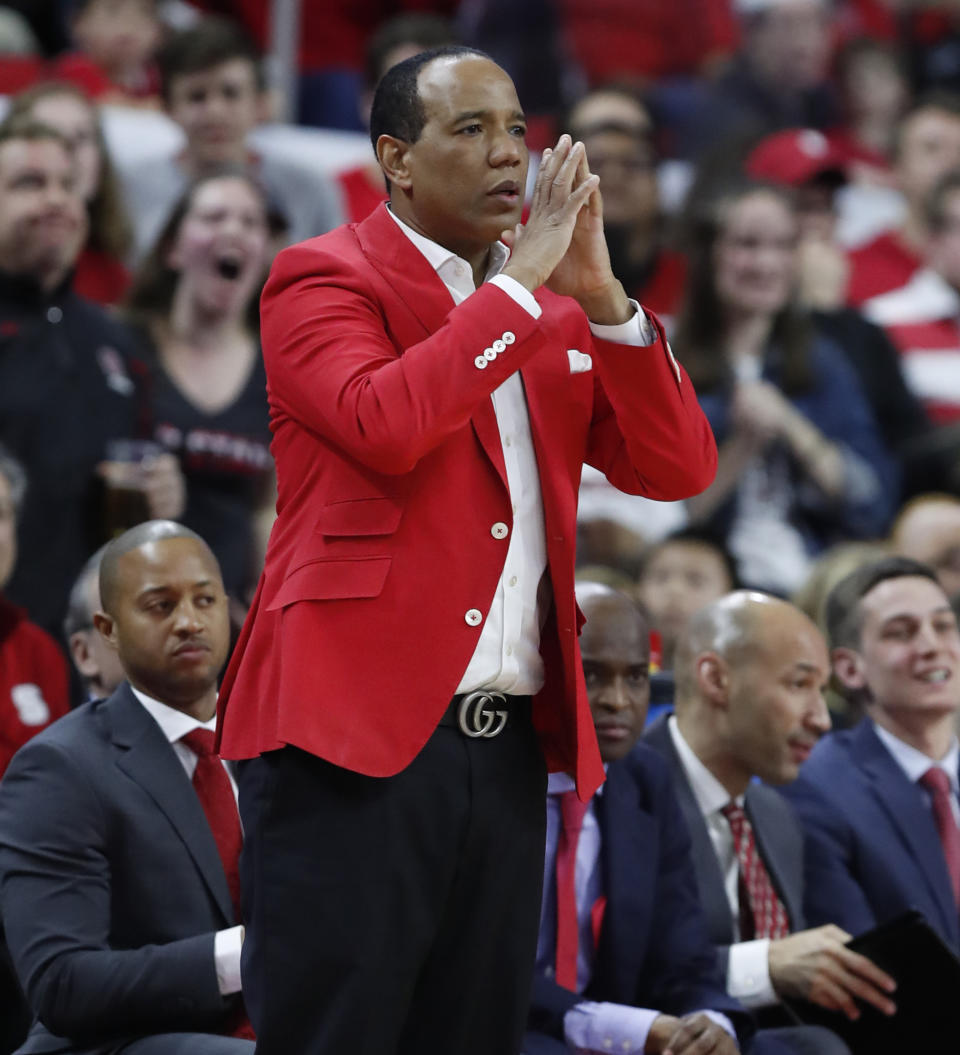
(432, 404)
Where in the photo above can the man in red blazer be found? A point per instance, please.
(410, 658)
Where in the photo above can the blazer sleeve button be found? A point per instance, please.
(480, 363)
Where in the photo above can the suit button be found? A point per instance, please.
(508, 337)
(480, 363)
(499, 530)
(489, 354)
(474, 617)
(498, 346)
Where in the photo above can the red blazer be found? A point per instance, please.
(390, 475)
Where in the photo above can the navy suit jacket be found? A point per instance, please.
(111, 886)
(779, 840)
(654, 950)
(872, 844)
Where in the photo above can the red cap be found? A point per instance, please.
(794, 157)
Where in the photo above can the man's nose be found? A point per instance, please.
(818, 717)
(187, 619)
(507, 149)
(614, 695)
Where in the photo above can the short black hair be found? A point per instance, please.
(696, 535)
(397, 107)
(843, 617)
(210, 43)
(420, 28)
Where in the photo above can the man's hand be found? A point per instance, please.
(816, 965)
(562, 244)
(691, 1035)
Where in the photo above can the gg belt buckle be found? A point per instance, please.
(477, 720)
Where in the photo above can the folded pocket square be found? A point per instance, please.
(579, 361)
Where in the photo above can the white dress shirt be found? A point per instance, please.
(915, 763)
(175, 724)
(590, 1025)
(748, 970)
(507, 657)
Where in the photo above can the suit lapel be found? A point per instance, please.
(713, 895)
(629, 845)
(787, 876)
(902, 804)
(427, 299)
(145, 756)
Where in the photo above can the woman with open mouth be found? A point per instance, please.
(195, 304)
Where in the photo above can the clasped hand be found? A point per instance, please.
(562, 246)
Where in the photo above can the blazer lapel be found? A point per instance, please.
(146, 757)
(629, 844)
(427, 299)
(713, 896)
(786, 875)
(903, 805)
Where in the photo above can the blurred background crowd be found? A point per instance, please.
(781, 184)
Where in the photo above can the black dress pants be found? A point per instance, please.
(397, 915)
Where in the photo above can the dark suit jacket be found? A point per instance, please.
(111, 886)
(654, 950)
(779, 840)
(873, 848)
(390, 475)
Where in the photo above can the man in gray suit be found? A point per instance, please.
(115, 824)
(750, 670)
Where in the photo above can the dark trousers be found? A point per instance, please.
(399, 914)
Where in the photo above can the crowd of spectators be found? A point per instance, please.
(781, 185)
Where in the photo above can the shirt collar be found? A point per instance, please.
(445, 262)
(559, 783)
(710, 794)
(915, 763)
(173, 724)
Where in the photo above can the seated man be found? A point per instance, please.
(749, 674)
(95, 662)
(624, 962)
(119, 834)
(878, 802)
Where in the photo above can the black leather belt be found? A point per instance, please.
(483, 715)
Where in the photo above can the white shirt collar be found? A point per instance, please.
(710, 794)
(915, 763)
(173, 723)
(558, 783)
(447, 263)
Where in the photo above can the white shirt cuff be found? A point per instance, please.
(723, 1022)
(748, 974)
(638, 330)
(519, 293)
(226, 955)
(591, 1026)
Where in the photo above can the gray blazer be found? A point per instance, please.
(779, 840)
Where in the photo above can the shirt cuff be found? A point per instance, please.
(226, 955)
(519, 293)
(723, 1022)
(591, 1026)
(748, 974)
(638, 330)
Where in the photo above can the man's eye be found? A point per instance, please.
(470, 129)
(519, 130)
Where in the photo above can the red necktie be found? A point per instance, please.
(763, 915)
(212, 785)
(937, 784)
(572, 812)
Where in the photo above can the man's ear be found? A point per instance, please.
(107, 628)
(392, 153)
(80, 653)
(848, 668)
(713, 679)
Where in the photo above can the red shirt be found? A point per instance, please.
(34, 683)
(648, 38)
(100, 277)
(663, 290)
(360, 196)
(884, 264)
